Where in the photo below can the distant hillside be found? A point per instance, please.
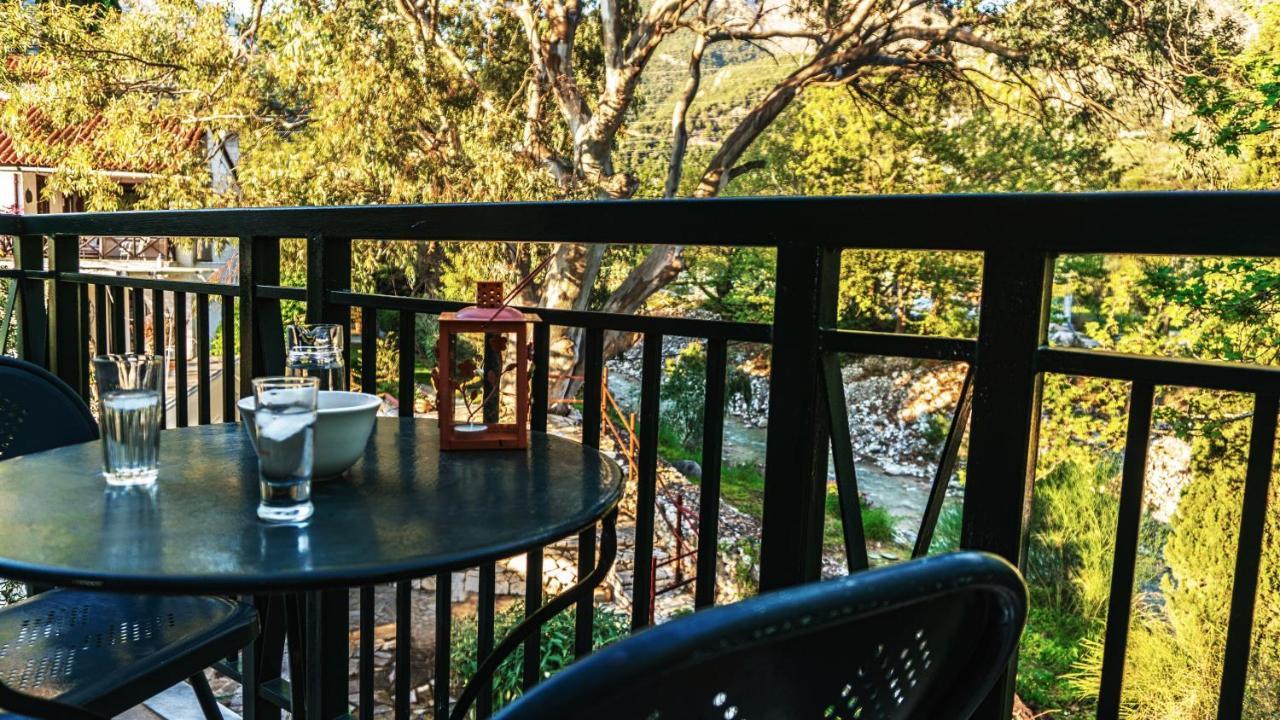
(735, 75)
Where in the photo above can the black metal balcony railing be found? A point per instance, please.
(1018, 235)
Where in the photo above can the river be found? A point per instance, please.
(904, 496)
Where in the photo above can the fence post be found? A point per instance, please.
(33, 342)
(66, 339)
(796, 451)
(1004, 430)
(261, 333)
(329, 268)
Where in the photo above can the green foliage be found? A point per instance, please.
(684, 394)
(1052, 645)
(11, 592)
(556, 647)
(877, 523)
(1176, 651)
(733, 283)
(746, 562)
(1237, 103)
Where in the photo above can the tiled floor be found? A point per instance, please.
(176, 703)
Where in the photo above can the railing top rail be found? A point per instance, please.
(1193, 223)
(9, 224)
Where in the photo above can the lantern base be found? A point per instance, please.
(493, 437)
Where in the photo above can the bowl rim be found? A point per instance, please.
(248, 403)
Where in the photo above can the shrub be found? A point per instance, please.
(1178, 639)
(684, 394)
(877, 523)
(556, 643)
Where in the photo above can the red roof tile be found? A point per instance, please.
(186, 138)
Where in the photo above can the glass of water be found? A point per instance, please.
(316, 351)
(130, 403)
(285, 417)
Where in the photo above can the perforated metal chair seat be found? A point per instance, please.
(107, 652)
(924, 639)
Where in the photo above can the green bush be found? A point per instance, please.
(877, 523)
(684, 394)
(1068, 572)
(1178, 638)
(556, 647)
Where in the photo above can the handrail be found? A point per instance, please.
(1130, 222)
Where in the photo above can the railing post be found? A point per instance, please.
(33, 344)
(261, 333)
(67, 340)
(796, 453)
(1016, 287)
(329, 268)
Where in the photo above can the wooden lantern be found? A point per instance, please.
(474, 356)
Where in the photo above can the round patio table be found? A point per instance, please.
(405, 510)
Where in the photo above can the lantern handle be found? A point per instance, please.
(524, 282)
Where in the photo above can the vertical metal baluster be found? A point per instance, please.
(405, 342)
(404, 636)
(1253, 524)
(180, 359)
(647, 482)
(229, 386)
(592, 406)
(1128, 522)
(704, 594)
(137, 329)
(66, 334)
(946, 466)
(369, 350)
(31, 312)
(118, 344)
(249, 669)
(854, 536)
(157, 344)
(86, 358)
(101, 347)
(484, 635)
(533, 561)
(203, 381)
(366, 652)
(444, 618)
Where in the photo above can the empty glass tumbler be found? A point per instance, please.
(285, 417)
(316, 351)
(130, 405)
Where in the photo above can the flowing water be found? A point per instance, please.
(904, 496)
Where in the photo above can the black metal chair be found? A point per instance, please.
(922, 639)
(69, 653)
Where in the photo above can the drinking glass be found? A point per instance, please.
(316, 351)
(130, 403)
(285, 417)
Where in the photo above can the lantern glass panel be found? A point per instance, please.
(483, 379)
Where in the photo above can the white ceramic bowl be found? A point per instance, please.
(344, 422)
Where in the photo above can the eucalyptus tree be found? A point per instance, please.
(451, 100)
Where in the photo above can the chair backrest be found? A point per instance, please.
(921, 639)
(38, 411)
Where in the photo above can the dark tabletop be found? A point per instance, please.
(405, 510)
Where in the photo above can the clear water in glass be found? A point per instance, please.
(285, 416)
(323, 364)
(130, 421)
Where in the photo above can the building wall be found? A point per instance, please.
(10, 192)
